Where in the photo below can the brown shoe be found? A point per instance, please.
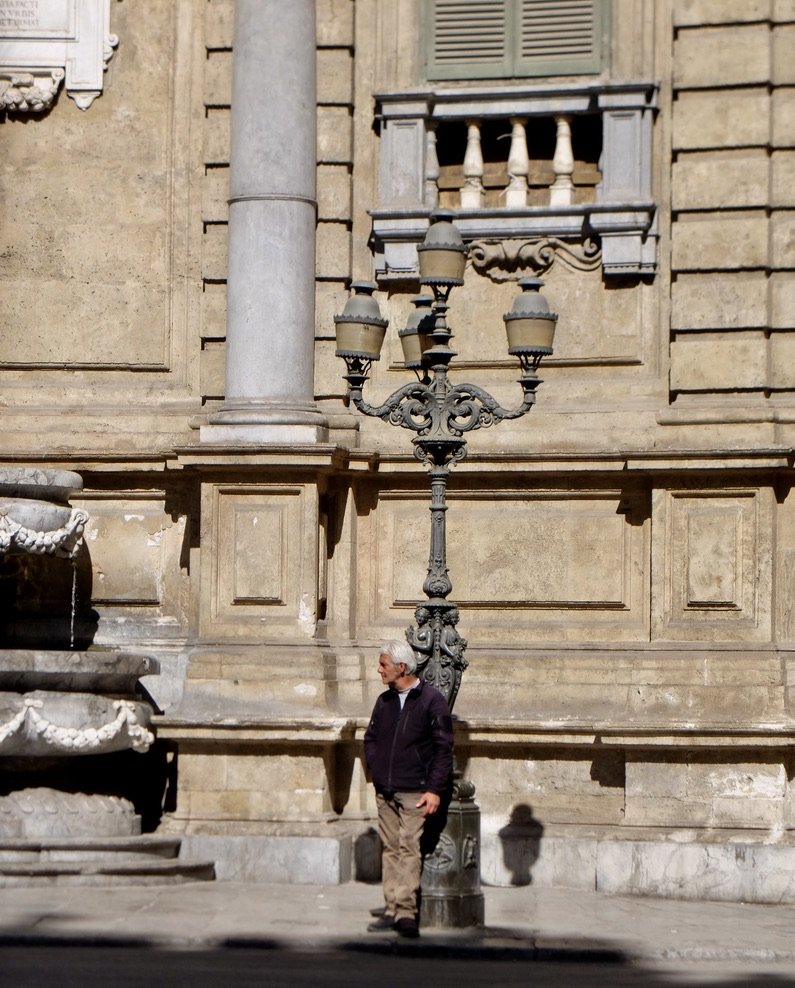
(406, 927)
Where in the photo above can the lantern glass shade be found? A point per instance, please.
(416, 337)
(442, 255)
(530, 325)
(360, 327)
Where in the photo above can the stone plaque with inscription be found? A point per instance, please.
(45, 42)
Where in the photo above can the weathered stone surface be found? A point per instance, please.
(328, 379)
(334, 76)
(250, 792)
(721, 56)
(783, 71)
(334, 134)
(212, 371)
(335, 23)
(782, 166)
(215, 135)
(214, 252)
(782, 239)
(713, 365)
(266, 540)
(218, 79)
(718, 243)
(704, 790)
(783, 117)
(723, 300)
(721, 180)
(713, 550)
(333, 249)
(334, 193)
(599, 597)
(694, 13)
(303, 860)
(734, 872)
(213, 312)
(782, 354)
(330, 301)
(218, 23)
(782, 300)
(215, 196)
(720, 119)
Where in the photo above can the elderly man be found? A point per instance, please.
(408, 746)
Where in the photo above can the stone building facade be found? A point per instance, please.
(623, 557)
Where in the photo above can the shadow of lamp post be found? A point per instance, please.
(441, 414)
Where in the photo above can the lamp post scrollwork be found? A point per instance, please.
(439, 412)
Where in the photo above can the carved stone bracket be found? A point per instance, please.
(510, 260)
(45, 42)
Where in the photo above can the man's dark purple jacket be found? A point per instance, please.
(410, 750)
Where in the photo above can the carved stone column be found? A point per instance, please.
(272, 214)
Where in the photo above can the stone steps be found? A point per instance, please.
(99, 861)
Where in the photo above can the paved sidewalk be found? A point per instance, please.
(527, 921)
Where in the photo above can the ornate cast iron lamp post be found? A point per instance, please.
(441, 414)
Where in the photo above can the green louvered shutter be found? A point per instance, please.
(498, 39)
(560, 37)
(470, 39)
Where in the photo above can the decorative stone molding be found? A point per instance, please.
(509, 260)
(41, 813)
(64, 541)
(43, 42)
(74, 739)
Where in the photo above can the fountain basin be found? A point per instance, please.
(22, 670)
(39, 516)
(32, 482)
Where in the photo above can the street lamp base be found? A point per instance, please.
(451, 895)
(449, 912)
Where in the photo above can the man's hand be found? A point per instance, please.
(430, 801)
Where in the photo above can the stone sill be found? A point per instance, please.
(465, 102)
(254, 730)
(614, 734)
(334, 730)
(773, 458)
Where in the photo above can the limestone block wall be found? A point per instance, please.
(732, 245)
(100, 290)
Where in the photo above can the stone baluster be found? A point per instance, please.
(431, 168)
(472, 193)
(561, 192)
(518, 166)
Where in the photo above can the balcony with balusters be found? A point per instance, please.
(529, 171)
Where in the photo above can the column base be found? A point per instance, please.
(263, 423)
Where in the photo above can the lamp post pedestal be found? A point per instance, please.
(450, 894)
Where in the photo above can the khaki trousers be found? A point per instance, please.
(400, 826)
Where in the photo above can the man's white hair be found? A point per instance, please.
(401, 651)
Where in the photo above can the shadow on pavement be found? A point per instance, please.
(36, 961)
